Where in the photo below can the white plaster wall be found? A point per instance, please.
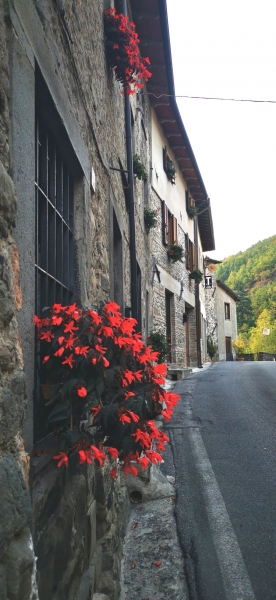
(226, 327)
(174, 195)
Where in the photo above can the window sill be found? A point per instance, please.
(43, 453)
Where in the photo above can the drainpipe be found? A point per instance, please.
(197, 300)
(131, 206)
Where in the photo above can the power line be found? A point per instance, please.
(210, 98)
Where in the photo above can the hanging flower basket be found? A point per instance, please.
(123, 52)
(197, 275)
(175, 252)
(102, 373)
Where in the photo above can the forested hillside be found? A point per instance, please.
(252, 275)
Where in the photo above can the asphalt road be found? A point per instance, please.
(223, 436)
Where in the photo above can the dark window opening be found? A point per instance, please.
(55, 174)
(139, 300)
(227, 310)
(117, 263)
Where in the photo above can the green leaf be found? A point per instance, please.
(68, 386)
(60, 412)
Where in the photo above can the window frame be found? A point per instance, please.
(227, 312)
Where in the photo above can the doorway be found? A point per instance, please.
(228, 348)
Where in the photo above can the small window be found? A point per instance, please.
(227, 310)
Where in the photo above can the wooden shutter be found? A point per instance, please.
(174, 230)
(187, 250)
(165, 223)
(191, 256)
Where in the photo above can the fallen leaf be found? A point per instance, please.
(173, 497)
(157, 563)
(134, 525)
(133, 565)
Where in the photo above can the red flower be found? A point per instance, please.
(134, 417)
(69, 342)
(61, 339)
(130, 469)
(124, 418)
(95, 317)
(113, 472)
(104, 361)
(85, 456)
(59, 352)
(83, 350)
(69, 361)
(62, 458)
(113, 452)
(57, 308)
(56, 320)
(98, 454)
(70, 327)
(45, 359)
(96, 410)
(46, 335)
(82, 392)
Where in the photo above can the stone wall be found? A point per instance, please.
(17, 564)
(78, 514)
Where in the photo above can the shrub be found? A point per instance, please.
(105, 387)
(158, 342)
(211, 347)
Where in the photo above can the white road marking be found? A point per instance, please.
(235, 577)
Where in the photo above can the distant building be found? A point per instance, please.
(221, 314)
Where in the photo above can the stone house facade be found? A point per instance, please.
(177, 302)
(221, 312)
(65, 236)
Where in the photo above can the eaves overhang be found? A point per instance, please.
(228, 290)
(151, 20)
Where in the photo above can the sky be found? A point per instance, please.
(227, 49)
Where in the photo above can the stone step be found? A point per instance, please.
(175, 373)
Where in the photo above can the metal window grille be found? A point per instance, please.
(54, 252)
(54, 224)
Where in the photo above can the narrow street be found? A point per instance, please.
(223, 442)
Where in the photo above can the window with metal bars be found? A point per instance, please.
(54, 252)
(54, 191)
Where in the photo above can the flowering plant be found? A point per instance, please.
(105, 387)
(175, 252)
(123, 53)
(170, 170)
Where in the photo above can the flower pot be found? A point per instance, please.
(239, 359)
(46, 390)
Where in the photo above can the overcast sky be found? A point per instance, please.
(228, 49)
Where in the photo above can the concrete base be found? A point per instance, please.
(176, 373)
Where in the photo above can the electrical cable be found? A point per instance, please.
(209, 98)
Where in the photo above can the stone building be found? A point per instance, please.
(65, 205)
(221, 312)
(177, 302)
